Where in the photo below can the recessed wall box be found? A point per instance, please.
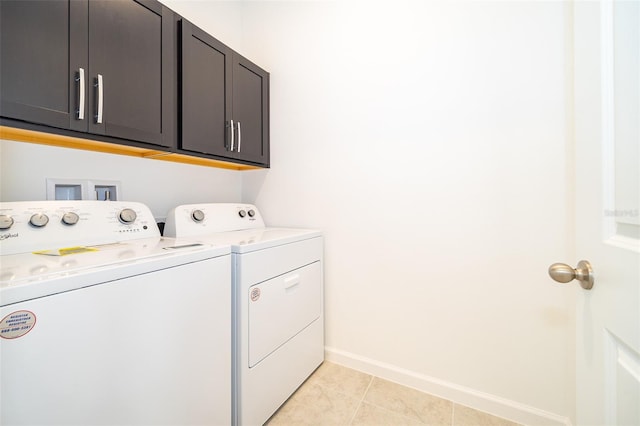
(105, 193)
(83, 189)
(66, 189)
(106, 190)
(68, 192)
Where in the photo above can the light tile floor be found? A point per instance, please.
(336, 395)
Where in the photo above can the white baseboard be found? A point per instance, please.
(498, 406)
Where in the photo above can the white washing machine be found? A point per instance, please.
(103, 322)
(278, 306)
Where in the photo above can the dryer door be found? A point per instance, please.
(282, 307)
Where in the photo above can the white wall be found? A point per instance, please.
(222, 19)
(429, 141)
(159, 184)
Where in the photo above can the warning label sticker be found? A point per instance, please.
(17, 324)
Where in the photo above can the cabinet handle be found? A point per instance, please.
(99, 86)
(232, 137)
(239, 136)
(80, 80)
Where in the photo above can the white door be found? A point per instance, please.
(607, 122)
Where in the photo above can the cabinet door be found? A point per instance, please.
(43, 47)
(130, 70)
(205, 86)
(251, 111)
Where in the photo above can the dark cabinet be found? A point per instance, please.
(205, 83)
(250, 106)
(103, 67)
(133, 76)
(224, 100)
(43, 45)
(130, 51)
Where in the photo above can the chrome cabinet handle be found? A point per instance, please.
(80, 80)
(239, 136)
(99, 85)
(563, 273)
(232, 137)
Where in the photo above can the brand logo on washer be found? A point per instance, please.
(7, 236)
(255, 294)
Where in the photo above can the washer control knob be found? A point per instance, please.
(6, 222)
(251, 213)
(127, 216)
(197, 215)
(70, 218)
(242, 213)
(39, 220)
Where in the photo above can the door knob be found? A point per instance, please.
(564, 273)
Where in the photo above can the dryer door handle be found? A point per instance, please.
(291, 282)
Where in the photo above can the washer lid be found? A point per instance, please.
(26, 276)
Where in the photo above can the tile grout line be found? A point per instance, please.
(360, 403)
(361, 400)
(416, 419)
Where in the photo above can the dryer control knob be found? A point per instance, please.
(39, 220)
(127, 216)
(252, 213)
(242, 213)
(197, 215)
(6, 222)
(70, 218)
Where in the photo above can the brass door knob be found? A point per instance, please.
(564, 273)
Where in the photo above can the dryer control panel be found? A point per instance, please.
(191, 220)
(27, 226)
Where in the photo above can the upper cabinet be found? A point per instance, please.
(130, 65)
(43, 45)
(250, 111)
(101, 66)
(130, 74)
(224, 100)
(205, 92)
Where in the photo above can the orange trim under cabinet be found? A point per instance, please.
(31, 136)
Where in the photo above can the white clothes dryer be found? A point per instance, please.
(104, 322)
(278, 301)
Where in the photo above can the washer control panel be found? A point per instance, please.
(191, 220)
(38, 225)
